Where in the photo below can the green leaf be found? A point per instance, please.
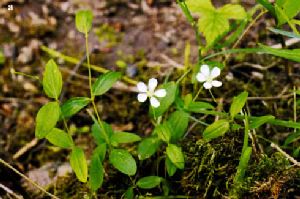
(46, 119)
(178, 122)
(124, 137)
(52, 80)
(289, 8)
(149, 182)
(96, 173)
(233, 11)
(100, 151)
(84, 19)
(79, 164)
(2, 58)
(284, 33)
(213, 22)
(99, 135)
(129, 194)
(105, 82)
(171, 168)
(60, 138)
(258, 121)
(238, 103)
(197, 107)
(147, 147)
(73, 106)
(213, 25)
(268, 6)
(216, 129)
(175, 154)
(293, 55)
(200, 6)
(166, 101)
(243, 164)
(293, 137)
(163, 132)
(123, 161)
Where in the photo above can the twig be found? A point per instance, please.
(9, 191)
(73, 60)
(171, 61)
(25, 148)
(290, 158)
(27, 178)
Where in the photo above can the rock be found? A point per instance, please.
(25, 55)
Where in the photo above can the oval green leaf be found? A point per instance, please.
(123, 161)
(171, 168)
(216, 129)
(100, 151)
(105, 82)
(84, 19)
(147, 147)
(60, 138)
(175, 154)
(96, 173)
(99, 135)
(52, 80)
(238, 103)
(73, 106)
(149, 182)
(124, 137)
(79, 164)
(178, 122)
(258, 121)
(197, 107)
(163, 131)
(46, 119)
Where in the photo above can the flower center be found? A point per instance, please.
(209, 79)
(150, 93)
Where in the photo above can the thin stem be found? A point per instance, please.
(91, 92)
(26, 178)
(24, 74)
(212, 96)
(198, 93)
(89, 65)
(295, 106)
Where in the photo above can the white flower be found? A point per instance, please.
(207, 76)
(149, 91)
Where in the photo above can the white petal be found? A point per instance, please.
(154, 102)
(142, 97)
(200, 77)
(152, 84)
(216, 83)
(141, 86)
(215, 72)
(160, 93)
(205, 70)
(207, 85)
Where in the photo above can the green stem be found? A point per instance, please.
(198, 93)
(91, 91)
(212, 96)
(27, 178)
(89, 65)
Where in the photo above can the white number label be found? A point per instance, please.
(10, 7)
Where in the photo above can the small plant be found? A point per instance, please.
(172, 106)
